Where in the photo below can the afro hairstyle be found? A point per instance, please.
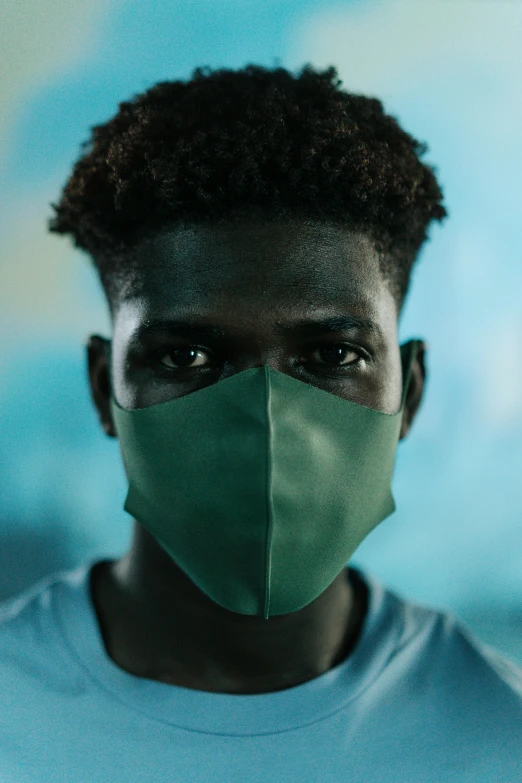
(256, 142)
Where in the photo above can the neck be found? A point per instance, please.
(157, 623)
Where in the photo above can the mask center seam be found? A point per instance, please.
(270, 509)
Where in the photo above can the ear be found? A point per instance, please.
(98, 360)
(415, 390)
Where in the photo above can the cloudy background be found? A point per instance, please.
(451, 71)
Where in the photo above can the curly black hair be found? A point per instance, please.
(254, 142)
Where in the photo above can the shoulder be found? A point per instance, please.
(444, 653)
(32, 645)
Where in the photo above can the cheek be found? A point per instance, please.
(125, 392)
(381, 387)
(127, 383)
(135, 387)
(390, 390)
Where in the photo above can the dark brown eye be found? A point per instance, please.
(335, 355)
(180, 358)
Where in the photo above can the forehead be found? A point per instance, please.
(269, 266)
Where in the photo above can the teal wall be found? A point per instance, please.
(451, 71)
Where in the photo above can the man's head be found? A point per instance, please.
(259, 209)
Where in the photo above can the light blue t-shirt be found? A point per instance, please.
(419, 700)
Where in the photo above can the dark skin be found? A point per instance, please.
(250, 294)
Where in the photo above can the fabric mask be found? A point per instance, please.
(260, 487)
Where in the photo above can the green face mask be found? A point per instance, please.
(260, 487)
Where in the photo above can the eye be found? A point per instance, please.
(336, 355)
(187, 357)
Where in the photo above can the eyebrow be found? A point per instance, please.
(338, 323)
(335, 323)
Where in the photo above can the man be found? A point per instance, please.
(254, 232)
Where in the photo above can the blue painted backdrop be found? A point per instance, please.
(451, 71)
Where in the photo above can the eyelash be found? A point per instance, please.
(332, 368)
